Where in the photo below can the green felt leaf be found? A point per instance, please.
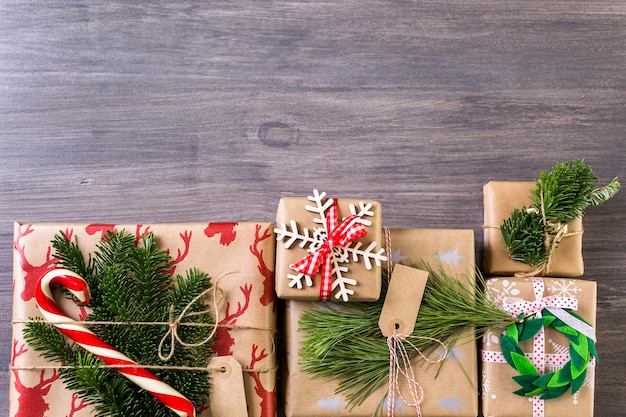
(592, 349)
(556, 381)
(512, 332)
(573, 338)
(537, 391)
(531, 328)
(523, 364)
(554, 392)
(565, 329)
(548, 320)
(543, 380)
(508, 346)
(525, 380)
(582, 346)
(566, 372)
(578, 363)
(577, 383)
(529, 391)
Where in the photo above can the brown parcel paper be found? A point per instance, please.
(452, 393)
(497, 384)
(368, 281)
(215, 248)
(500, 198)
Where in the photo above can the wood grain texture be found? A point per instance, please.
(190, 111)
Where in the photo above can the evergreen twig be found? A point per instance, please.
(347, 345)
(129, 282)
(560, 196)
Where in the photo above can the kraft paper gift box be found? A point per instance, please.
(498, 385)
(500, 198)
(294, 245)
(454, 392)
(246, 313)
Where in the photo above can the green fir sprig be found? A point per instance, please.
(129, 282)
(346, 343)
(561, 195)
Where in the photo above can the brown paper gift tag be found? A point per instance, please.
(454, 392)
(368, 282)
(402, 301)
(498, 386)
(227, 397)
(247, 313)
(500, 198)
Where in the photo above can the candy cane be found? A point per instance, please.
(92, 343)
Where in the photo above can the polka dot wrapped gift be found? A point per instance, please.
(547, 349)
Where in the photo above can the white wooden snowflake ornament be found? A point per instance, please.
(332, 245)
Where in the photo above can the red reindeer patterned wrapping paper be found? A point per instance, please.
(454, 392)
(214, 248)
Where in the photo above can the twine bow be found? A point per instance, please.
(553, 235)
(172, 331)
(400, 364)
(338, 234)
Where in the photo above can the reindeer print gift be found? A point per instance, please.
(246, 313)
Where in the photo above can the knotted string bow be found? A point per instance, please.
(338, 234)
(400, 364)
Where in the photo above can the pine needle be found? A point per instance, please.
(560, 196)
(129, 282)
(347, 345)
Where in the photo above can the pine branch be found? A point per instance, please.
(602, 194)
(560, 196)
(524, 237)
(130, 283)
(347, 345)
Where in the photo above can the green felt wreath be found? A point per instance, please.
(552, 384)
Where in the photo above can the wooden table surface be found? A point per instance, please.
(193, 112)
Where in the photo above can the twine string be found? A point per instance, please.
(389, 253)
(400, 364)
(136, 366)
(172, 332)
(553, 235)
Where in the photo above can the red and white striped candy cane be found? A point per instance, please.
(92, 343)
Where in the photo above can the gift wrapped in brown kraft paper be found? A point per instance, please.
(454, 392)
(303, 227)
(498, 399)
(246, 311)
(500, 198)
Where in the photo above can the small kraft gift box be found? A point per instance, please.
(242, 254)
(328, 249)
(500, 198)
(550, 361)
(450, 387)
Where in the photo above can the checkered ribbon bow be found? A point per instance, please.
(338, 234)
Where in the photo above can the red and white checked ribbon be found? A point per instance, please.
(400, 364)
(338, 234)
(539, 359)
(92, 343)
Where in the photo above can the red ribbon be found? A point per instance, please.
(338, 234)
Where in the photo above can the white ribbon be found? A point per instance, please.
(553, 304)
